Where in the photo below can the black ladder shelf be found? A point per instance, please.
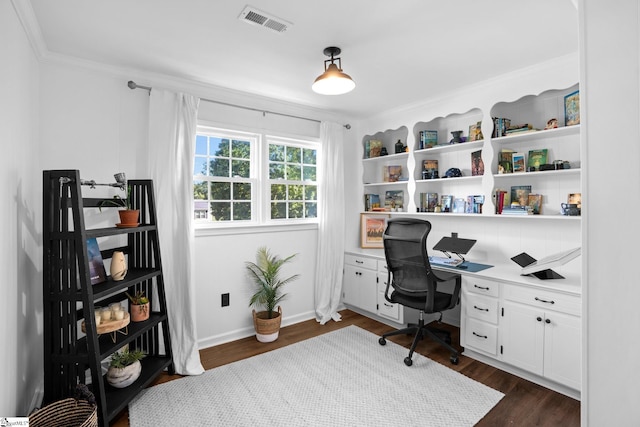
(69, 298)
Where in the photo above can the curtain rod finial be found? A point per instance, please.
(132, 84)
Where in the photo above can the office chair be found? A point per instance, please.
(414, 282)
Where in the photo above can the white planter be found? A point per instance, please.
(123, 377)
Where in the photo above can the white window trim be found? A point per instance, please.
(260, 204)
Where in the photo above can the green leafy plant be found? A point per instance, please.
(118, 201)
(138, 298)
(265, 274)
(120, 359)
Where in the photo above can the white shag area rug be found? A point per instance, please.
(341, 378)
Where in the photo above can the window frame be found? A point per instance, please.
(259, 178)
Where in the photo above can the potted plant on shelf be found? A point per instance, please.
(124, 368)
(128, 216)
(265, 274)
(139, 307)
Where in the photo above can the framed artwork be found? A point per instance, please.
(475, 132)
(572, 109)
(372, 227)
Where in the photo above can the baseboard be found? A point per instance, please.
(552, 385)
(248, 331)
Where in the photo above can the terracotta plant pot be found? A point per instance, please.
(139, 313)
(129, 217)
(267, 330)
(123, 377)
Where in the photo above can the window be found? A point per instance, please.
(292, 180)
(248, 178)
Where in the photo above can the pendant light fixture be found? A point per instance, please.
(333, 81)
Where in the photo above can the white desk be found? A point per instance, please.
(520, 324)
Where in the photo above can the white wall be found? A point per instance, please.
(21, 242)
(611, 111)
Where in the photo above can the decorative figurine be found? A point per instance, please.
(118, 267)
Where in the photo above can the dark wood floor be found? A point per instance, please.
(524, 403)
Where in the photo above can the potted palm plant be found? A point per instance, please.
(128, 216)
(265, 275)
(124, 368)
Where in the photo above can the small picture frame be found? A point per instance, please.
(572, 109)
(372, 228)
(518, 163)
(475, 132)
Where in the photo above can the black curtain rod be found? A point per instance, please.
(134, 85)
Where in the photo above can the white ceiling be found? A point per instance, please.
(398, 52)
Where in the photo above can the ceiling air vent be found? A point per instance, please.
(251, 15)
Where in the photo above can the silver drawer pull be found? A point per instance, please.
(359, 262)
(481, 287)
(545, 301)
(479, 308)
(480, 336)
(388, 305)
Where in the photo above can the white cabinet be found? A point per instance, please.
(541, 333)
(360, 282)
(385, 308)
(479, 325)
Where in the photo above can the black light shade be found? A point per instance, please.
(333, 81)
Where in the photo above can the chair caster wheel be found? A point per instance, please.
(382, 341)
(408, 361)
(454, 360)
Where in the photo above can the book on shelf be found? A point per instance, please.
(505, 159)
(521, 128)
(517, 160)
(520, 194)
(394, 200)
(375, 148)
(499, 200)
(459, 205)
(535, 203)
(429, 164)
(367, 149)
(477, 165)
(500, 125)
(516, 210)
(536, 159)
(474, 204)
(428, 138)
(391, 173)
(97, 272)
(446, 203)
(475, 132)
(371, 201)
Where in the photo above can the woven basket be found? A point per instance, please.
(264, 325)
(67, 412)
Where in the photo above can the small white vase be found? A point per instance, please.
(123, 377)
(118, 268)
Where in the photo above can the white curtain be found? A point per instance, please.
(172, 130)
(330, 261)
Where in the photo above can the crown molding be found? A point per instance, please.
(28, 20)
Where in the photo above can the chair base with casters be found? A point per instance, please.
(421, 330)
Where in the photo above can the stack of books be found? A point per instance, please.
(516, 210)
(518, 129)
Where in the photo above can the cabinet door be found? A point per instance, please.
(360, 288)
(562, 354)
(523, 336)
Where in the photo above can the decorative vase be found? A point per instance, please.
(123, 377)
(456, 137)
(139, 313)
(118, 267)
(129, 217)
(267, 330)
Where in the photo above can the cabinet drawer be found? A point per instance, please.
(481, 336)
(481, 286)
(544, 299)
(382, 266)
(360, 261)
(386, 309)
(382, 282)
(481, 307)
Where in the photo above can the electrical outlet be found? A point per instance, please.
(225, 300)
